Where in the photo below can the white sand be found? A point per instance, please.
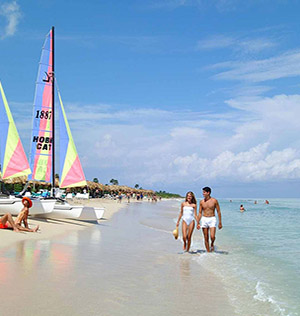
(51, 227)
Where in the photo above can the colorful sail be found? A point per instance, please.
(13, 159)
(71, 173)
(41, 141)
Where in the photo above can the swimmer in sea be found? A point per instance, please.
(208, 220)
(188, 213)
(242, 208)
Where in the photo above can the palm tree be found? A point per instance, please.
(114, 182)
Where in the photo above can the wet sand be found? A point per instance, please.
(122, 266)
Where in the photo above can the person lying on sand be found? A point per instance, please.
(6, 221)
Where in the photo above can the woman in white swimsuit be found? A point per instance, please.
(188, 213)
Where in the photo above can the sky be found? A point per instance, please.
(172, 95)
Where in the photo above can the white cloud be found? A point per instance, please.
(282, 66)
(239, 44)
(259, 144)
(217, 41)
(11, 11)
(167, 4)
(256, 164)
(255, 140)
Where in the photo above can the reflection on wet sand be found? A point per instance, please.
(185, 269)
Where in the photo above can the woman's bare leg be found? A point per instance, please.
(184, 234)
(190, 233)
(7, 218)
(24, 229)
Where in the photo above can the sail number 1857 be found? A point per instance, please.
(43, 115)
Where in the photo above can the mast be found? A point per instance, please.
(53, 117)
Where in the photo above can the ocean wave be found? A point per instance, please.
(262, 296)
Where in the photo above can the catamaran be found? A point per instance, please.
(42, 158)
(14, 163)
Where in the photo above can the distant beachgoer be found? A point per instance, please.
(255, 202)
(267, 202)
(23, 216)
(120, 197)
(242, 208)
(209, 221)
(128, 197)
(188, 213)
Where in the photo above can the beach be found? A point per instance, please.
(122, 266)
(51, 227)
(130, 264)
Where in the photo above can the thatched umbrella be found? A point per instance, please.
(21, 180)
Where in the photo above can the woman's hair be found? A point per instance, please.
(193, 197)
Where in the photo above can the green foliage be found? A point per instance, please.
(96, 180)
(56, 176)
(136, 186)
(18, 187)
(114, 182)
(167, 195)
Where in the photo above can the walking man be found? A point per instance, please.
(208, 219)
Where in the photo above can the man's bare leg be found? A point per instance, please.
(7, 218)
(212, 237)
(206, 238)
(184, 234)
(189, 237)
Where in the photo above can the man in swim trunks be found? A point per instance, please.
(208, 219)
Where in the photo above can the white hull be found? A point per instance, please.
(13, 205)
(67, 211)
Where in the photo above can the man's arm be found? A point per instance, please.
(219, 214)
(200, 215)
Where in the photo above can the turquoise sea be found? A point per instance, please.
(258, 255)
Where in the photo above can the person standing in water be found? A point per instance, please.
(188, 213)
(208, 220)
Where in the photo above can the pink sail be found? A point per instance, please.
(71, 173)
(13, 159)
(41, 141)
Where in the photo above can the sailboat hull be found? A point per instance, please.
(13, 205)
(67, 211)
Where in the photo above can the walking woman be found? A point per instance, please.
(188, 212)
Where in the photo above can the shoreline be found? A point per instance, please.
(50, 228)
